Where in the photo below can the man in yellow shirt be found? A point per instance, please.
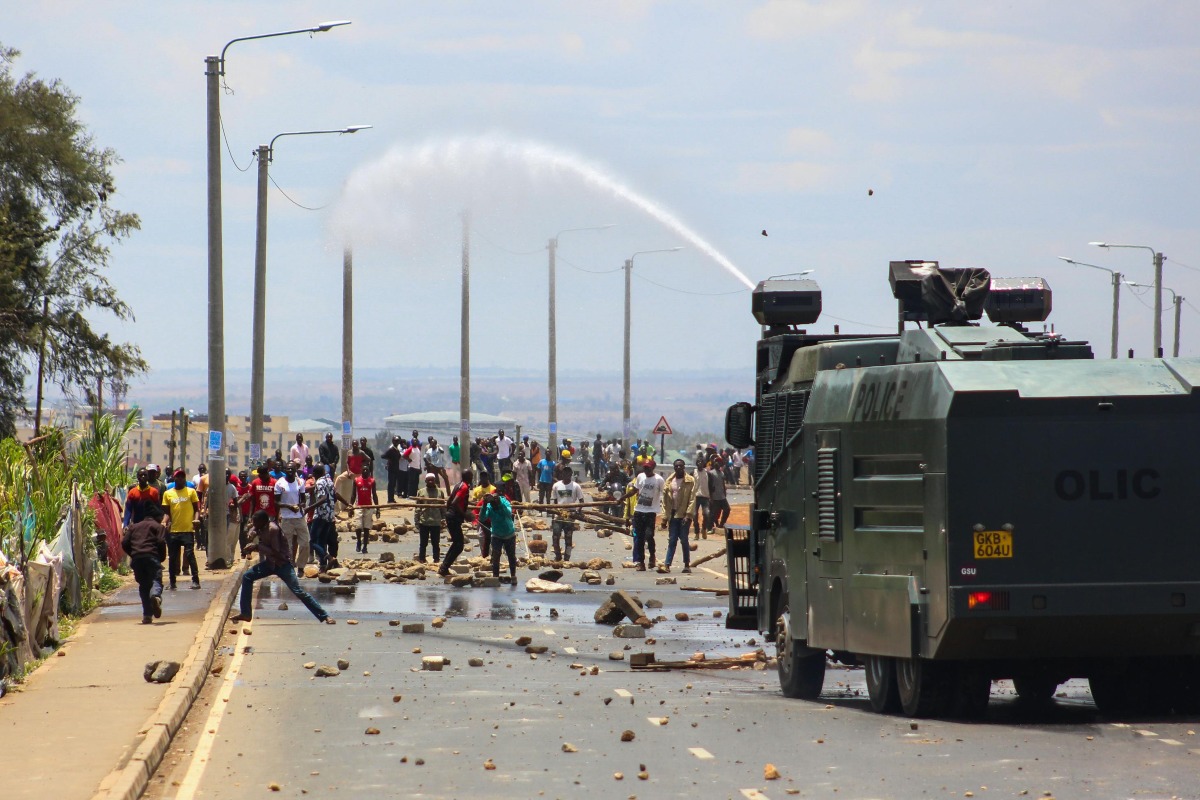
(183, 507)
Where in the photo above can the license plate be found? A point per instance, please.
(993, 544)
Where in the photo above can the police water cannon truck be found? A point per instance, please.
(962, 502)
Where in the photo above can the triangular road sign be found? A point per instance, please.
(662, 428)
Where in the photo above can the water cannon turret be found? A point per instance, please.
(781, 302)
(928, 293)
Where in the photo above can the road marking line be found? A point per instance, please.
(1119, 725)
(208, 735)
(622, 693)
(753, 794)
(548, 632)
(714, 572)
(1175, 742)
(700, 753)
(1145, 733)
(570, 651)
(657, 720)
(1194, 752)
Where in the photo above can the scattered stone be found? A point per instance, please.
(643, 775)
(371, 731)
(664, 581)
(644, 622)
(283, 607)
(616, 655)
(347, 580)
(460, 581)
(438, 622)
(343, 590)
(524, 640)
(378, 634)
(628, 604)
(487, 582)
(552, 575)
(536, 649)
(554, 613)
(433, 663)
(641, 659)
(274, 787)
(629, 632)
(387, 557)
(654, 602)
(628, 736)
(395, 623)
(618, 776)
(311, 571)
(569, 748)
(716, 615)
(770, 773)
(416, 649)
(416, 572)
(610, 581)
(681, 616)
(413, 627)
(608, 613)
(309, 664)
(489, 764)
(343, 663)
(160, 671)
(326, 671)
(475, 662)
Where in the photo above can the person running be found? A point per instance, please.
(364, 495)
(565, 492)
(456, 514)
(497, 511)
(183, 506)
(145, 542)
(649, 489)
(545, 473)
(430, 512)
(276, 559)
(289, 498)
(678, 505)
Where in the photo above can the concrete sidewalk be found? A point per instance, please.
(86, 724)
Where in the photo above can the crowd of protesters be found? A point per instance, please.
(287, 511)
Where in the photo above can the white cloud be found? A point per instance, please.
(783, 176)
(808, 140)
(789, 19)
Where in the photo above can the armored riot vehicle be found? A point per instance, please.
(962, 502)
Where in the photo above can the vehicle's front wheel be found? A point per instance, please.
(923, 687)
(801, 669)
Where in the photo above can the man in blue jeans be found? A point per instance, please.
(678, 506)
(276, 560)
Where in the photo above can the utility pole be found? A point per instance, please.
(464, 391)
(1178, 308)
(625, 403)
(37, 416)
(1158, 287)
(552, 437)
(1116, 321)
(183, 434)
(347, 351)
(171, 443)
(257, 369)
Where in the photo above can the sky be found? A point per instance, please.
(996, 135)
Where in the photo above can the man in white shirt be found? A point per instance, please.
(299, 451)
(435, 462)
(416, 461)
(649, 490)
(564, 492)
(288, 493)
(504, 451)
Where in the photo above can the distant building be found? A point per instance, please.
(444, 425)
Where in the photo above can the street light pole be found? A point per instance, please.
(553, 339)
(265, 154)
(625, 414)
(220, 548)
(464, 389)
(1116, 284)
(1176, 301)
(347, 351)
(1158, 287)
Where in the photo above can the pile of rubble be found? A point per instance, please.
(475, 572)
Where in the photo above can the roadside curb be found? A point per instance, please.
(129, 780)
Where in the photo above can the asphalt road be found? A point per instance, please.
(267, 720)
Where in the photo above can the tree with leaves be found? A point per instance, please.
(56, 227)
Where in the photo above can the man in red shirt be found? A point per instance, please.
(364, 495)
(456, 513)
(262, 495)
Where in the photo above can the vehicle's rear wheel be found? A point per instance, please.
(881, 684)
(973, 690)
(1134, 690)
(923, 687)
(801, 669)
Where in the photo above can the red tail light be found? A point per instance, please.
(993, 601)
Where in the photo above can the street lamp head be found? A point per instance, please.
(1098, 244)
(1068, 260)
(325, 26)
(356, 128)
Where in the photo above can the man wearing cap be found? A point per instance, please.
(649, 490)
(565, 492)
(182, 504)
(431, 510)
(139, 499)
(153, 474)
(678, 505)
